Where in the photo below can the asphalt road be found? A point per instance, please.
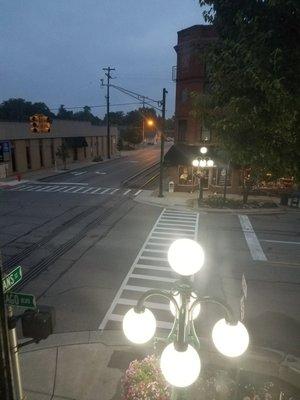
(76, 248)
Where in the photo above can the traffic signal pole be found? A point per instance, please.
(162, 143)
(6, 385)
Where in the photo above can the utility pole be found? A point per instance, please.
(107, 73)
(162, 143)
(6, 385)
(143, 120)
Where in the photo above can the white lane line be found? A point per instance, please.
(127, 191)
(88, 190)
(96, 191)
(105, 191)
(133, 288)
(49, 188)
(137, 193)
(156, 306)
(176, 235)
(125, 281)
(114, 191)
(255, 248)
(159, 324)
(27, 188)
(18, 187)
(152, 278)
(183, 225)
(33, 188)
(52, 188)
(153, 267)
(279, 241)
(42, 188)
(179, 214)
(150, 243)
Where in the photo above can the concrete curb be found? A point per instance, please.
(155, 201)
(259, 360)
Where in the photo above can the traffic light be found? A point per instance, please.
(34, 123)
(40, 123)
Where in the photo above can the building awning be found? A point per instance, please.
(74, 142)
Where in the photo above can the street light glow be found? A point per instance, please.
(230, 340)
(202, 163)
(195, 163)
(203, 150)
(180, 368)
(139, 327)
(150, 122)
(185, 256)
(210, 163)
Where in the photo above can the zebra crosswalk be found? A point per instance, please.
(76, 189)
(151, 270)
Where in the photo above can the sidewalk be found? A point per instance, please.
(184, 200)
(90, 365)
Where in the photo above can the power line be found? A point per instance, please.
(97, 106)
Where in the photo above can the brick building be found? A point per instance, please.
(190, 132)
(22, 151)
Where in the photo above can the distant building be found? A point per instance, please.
(151, 137)
(190, 132)
(22, 151)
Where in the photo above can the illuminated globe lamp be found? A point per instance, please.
(210, 163)
(203, 150)
(180, 362)
(195, 163)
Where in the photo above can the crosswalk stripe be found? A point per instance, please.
(59, 189)
(152, 278)
(148, 270)
(153, 267)
(95, 191)
(105, 191)
(69, 189)
(88, 190)
(127, 191)
(137, 193)
(114, 191)
(156, 306)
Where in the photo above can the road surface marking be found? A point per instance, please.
(127, 191)
(59, 189)
(77, 190)
(279, 241)
(152, 278)
(114, 191)
(174, 229)
(100, 173)
(105, 191)
(157, 306)
(137, 193)
(254, 246)
(69, 189)
(97, 190)
(66, 183)
(88, 190)
(181, 224)
(79, 173)
(138, 272)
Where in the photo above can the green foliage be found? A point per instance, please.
(254, 71)
(20, 110)
(132, 135)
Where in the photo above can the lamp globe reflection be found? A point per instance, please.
(230, 340)
(186, 257)
(140, 327)
(180, 368)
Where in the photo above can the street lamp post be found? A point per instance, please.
(180, 361)
(200, 163)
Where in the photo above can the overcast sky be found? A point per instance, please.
(53, 50)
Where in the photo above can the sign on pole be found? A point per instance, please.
(12, 279)
(20, 300)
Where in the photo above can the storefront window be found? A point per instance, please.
(185, 175)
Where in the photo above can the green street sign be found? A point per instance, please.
(20, 300)
(12, 279)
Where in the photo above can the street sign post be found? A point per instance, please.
(12, 279)
(20, 300)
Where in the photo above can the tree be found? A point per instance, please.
(115, 118)
(254, 69)
(63, 153)
(132, 135)
(20, 110)
(64, 114)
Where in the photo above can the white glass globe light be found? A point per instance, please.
(139, 327)
(195, 163)
(196, 310)
(210, 163)
(230, 340)
(185, 256)
(203, 150)
(202, 163)
(180, 368)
